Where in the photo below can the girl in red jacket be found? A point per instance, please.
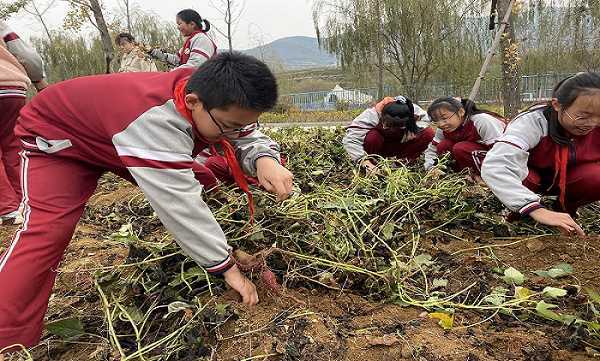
(464, 131)
(198, 46)
(551, 149)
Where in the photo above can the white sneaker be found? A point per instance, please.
(13, 217)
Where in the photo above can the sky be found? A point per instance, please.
(262, 20)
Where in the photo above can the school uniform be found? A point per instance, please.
(197, 49)
(19, 65)
(135, 125)
(468, 144)
(526, 163)
(217, 165)
(366, 135)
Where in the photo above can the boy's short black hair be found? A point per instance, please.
(233, 78)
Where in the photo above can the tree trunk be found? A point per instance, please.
(491, 51)
(229, 21)
(128, 14)
(379, 42)
(511, 92)
(107, 46)
(40, 16)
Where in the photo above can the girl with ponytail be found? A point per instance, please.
(551, 149)
(198, 46)
(389, 130)
(464, 131)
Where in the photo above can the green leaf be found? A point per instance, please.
(554, 292)
(176, 306)
(388, 230)
(257, 235)
(221, 308)
(66, 328)
(560, 270)
(544, 309)
(497, 297)
(513, 276)
(498, 270)
(594, 296)
(136, 315)
(439, 283)
(423, 260)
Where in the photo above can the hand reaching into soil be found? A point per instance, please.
(370, 167)
(435, 173)
(274, 177)
(557, 219)
(236, 280)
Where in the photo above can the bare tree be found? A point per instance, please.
(232, 11)
(92, 11)
(353, 30)
(126, 4)
(13, 6)
(408, 38)
(38, 12)
(511, 91)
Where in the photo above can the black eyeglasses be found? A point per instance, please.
(441, 120)
(237, 131)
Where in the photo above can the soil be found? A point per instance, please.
(340, 325)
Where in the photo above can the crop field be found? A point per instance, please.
(404, 266)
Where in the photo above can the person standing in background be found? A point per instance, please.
(198, 46)
(133, 59)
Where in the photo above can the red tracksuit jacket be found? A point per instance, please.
(128, 123)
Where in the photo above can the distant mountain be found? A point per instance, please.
(294, 52)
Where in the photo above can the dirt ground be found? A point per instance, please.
(323, 324)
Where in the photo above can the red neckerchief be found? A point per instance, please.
(183, 56)
(561, 158)
(228, 150)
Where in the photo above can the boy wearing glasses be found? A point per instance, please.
(145, 127)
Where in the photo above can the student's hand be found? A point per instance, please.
(408, 136)
(370, 167)
(40, 85)
(435, 172)
(274, 177)
(236, 280)
(557, 219)
(154, 52)
(385, 101)
(478, 180)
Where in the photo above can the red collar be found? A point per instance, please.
(228, 150)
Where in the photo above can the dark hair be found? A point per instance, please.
(400, 114)
(566, 92)
(192, 16)
(125, 36)
(454, 105)
(233, 78)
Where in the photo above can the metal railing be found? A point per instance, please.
(536, 87)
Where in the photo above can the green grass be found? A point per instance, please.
(296, 116)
